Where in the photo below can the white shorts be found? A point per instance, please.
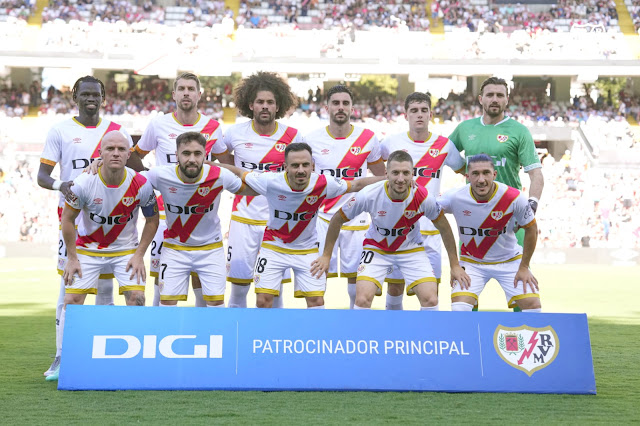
(105, 273)
(91, 268)
(504, 273)
(413, 265)
(156, 248)
(433, 248)
(242, 251)
(271, 266)
(176, 267)
(350, 245)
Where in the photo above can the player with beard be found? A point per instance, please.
(74, 144)
(160, 136)
(258, 146)
(508, 142)
(193, 240)
(344, 151)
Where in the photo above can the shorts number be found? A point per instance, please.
(153, 247)
(60, 249)
(229, 254)
(366, 257)
(262, 262)
(163, 267)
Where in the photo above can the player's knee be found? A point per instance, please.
(315, 301)
(74, 299)
(264, 300)
(464, 299)
(134, 298)
(215, 302)
(395, 289)
(428, 299)
(529, 303)
(168, 302)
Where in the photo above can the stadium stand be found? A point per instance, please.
(16, 9)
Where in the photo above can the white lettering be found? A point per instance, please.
(267, 347)
(373, 345)
(339, 347)
(424, 347)
(150, 343)
(166, 348)
(100, 346)
(444, 345)
(310, 351)
(388, 344)
(257, 344)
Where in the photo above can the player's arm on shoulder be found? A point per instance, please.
(377, 167)
(320, 266)
(135, 159)
(358, 184)
(236, 185)
(224, 158)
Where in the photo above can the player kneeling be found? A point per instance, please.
(393, 240)
(486, 213)
(107, 235)
(290, 239)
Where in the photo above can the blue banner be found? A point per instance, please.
(109, 347)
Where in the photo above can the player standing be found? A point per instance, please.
(160, 136)
(393, 240)
(74, 144)
(257, 145)
(344, 151)
(107, 234)
(430, 153)
(485, 212)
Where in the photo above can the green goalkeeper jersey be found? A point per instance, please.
(509, 143)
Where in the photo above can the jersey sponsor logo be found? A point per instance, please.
(262, 167)
(526, 348)
(81, 163)
(482, 232)
(282, 197)
(426, 172)
(110, 220)
(281, 214)
(502, 138)
(312, 199)
(410, 213)
(434, 152)
(172, 136)
(204, 190)
(346, 173)
(248, 145)
(97, 201)
(355, 150)
(325, 152)
(466, 212)
(497, 215)
(382, 213)
(395, 232)
(76, 140)
(127, 201)
(173, 189)
(150, 346)
(189, 209)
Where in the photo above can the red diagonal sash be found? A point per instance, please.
(112, 126)
(430, 161)
(104, 240)
(288, 236)
(183, 231)
(419, 196)
(207, 131)
(479, 251)
(353, 159)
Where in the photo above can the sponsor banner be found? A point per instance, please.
(109, 348)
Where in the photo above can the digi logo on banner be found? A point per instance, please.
(127, 346)
(526, 348)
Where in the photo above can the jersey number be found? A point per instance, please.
(60, 249)
(163, 266)
(153, 247)
(367, 257)
(260, 264)
(229, 254)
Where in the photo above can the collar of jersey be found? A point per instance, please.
(286, 179)
(90, 127)
(481, 201)
(333, 137)
(497, 124)
(111, 186)
(254, 129)
(413, 140)
(189, 183)
(173, 114)
(386, 191)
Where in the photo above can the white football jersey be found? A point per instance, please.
(74, 146)
(393, 222)
(192, 208)
(429, 158)
(291, 227)
(256, 153)
(160, 135)
(110, 213)
(486, 227)
(344, 158)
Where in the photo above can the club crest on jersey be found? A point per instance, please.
(351, 202)
(409, 214)
(204, 190)
(207, 136)
(155, 263)
(312, 199)
(526, 348)
(502, 138)
(280, 147)
(355, 150)
(127, 201)
(496, 215)
(434, 152)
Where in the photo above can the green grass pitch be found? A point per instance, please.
(606, 293)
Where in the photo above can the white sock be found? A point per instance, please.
(538, 310)
(200, 303)
(430, 308)
(215, 306)
(59, 309)
(394, 303)
(356, 307)
(156, 295)
(62, 318)
(238, 298)
(277, 300)
(316, 307)
(461, 307)
(351, 289)
(105, 292)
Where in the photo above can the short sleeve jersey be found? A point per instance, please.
(258, 153)
(192, 208)
(344, 158)
(110, 212)
(486, 227)
(160, 135)
(393, 222)
(74, 146)
(509, 143)
(291, 227)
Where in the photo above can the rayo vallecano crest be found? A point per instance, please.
(127, 201)
(312, 199)
(409, 214)
(526, 348)
(280, 147)
(204, 190)
(502, 138)
(355, 150)
(434, 152)
(497, 215)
